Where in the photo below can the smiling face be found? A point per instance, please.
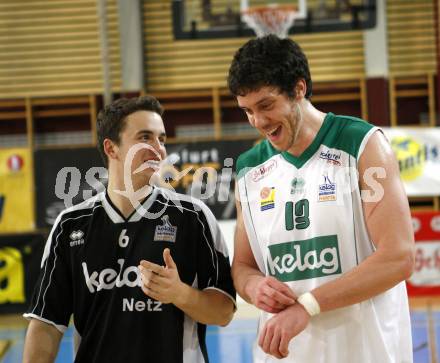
(144, 128)
(276, 116)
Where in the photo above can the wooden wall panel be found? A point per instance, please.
(411, 37)
(51, 47)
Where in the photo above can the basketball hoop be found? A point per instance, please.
(270, 19)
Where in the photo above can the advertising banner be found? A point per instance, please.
(425, 279)
(418, 153)
(16, 191)
(209, 172)
(20, 258)
(65, 177)
(205, 170)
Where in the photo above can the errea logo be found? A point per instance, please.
(76, 238)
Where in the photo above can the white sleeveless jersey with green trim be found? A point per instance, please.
(305, 224)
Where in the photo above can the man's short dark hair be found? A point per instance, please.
(111, 119)
(269, 61)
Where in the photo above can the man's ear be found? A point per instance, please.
(300, 89)
(110, 149)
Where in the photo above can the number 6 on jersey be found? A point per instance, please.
(123, 239)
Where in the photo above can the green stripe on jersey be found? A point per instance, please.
(347, 134)
(255, 156)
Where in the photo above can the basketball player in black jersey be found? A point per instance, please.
(141, 278)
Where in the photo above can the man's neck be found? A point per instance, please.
(122, 201)
(312, 120)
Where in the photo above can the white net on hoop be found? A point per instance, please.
(270, 19)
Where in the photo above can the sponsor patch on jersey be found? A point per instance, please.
(76, 238)
(307, 259)
(331, 157)
(297, 186)
(263, 170)
(166, 232)
(267, 196)
(327, 191)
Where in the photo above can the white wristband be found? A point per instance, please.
(310, 304)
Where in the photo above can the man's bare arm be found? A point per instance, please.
(389, 226)
(266, 293)
(42, 342)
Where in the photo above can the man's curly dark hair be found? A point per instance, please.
(269, 61)
(111, 120)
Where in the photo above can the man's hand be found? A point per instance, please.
(280, 329)
(269, 294)
(161, 283)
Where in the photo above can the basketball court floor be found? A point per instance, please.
(233, 344)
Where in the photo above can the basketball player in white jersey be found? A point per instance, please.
(323, 253)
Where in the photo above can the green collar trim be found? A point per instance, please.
(299, 161)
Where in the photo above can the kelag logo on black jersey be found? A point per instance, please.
(108, 278)
(301, 260)
(166, 232)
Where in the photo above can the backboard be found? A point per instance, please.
(204, 19)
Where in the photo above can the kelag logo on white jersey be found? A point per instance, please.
(301, 260)
(108, 278)
(327, 191)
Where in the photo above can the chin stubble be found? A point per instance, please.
(295, 124)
